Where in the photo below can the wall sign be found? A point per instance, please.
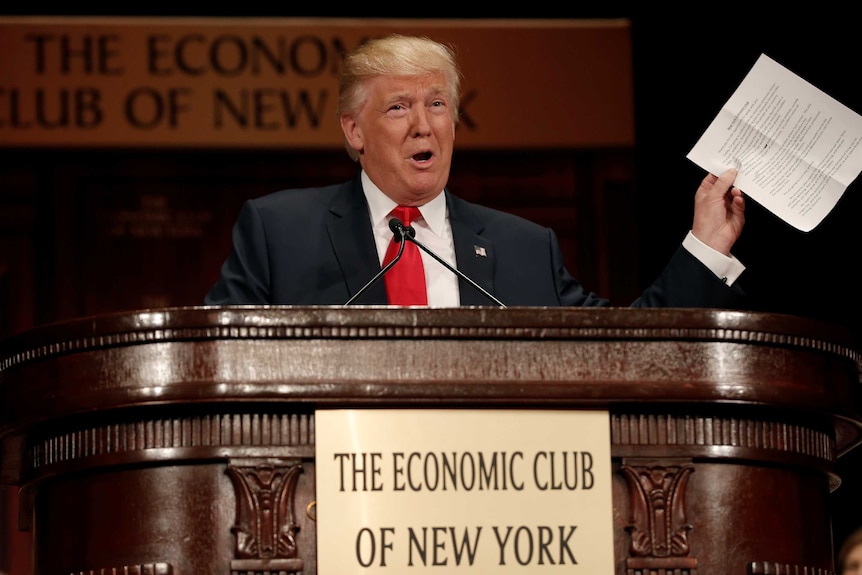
(248, 82)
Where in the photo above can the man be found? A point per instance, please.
(398, 104)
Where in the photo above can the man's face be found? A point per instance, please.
(405, 132)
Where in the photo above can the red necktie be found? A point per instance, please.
(405, 282)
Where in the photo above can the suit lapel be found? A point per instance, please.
(474, 255)
(353, 242)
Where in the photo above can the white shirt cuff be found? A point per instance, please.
(728, 268)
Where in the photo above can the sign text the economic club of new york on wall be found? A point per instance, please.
(217, 82)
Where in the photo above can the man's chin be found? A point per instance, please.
(428, 184)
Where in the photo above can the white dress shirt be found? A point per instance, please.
(433, 231)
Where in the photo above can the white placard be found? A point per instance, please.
(485, 491)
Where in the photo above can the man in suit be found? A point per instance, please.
(398, 105)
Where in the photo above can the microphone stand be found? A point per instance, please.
(409, 234)
(378, 275)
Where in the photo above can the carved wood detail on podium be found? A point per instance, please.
(767, 568)
(712, 431)
(199, 434)
(311, 324)
(151, 569)
(658, 525)
(266, 523)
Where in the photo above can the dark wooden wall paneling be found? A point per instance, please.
(121, 230)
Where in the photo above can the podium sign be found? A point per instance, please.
(495, 491)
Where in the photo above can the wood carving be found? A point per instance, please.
(149, 569)
(658, 524)
(769, 568)
(266, 523)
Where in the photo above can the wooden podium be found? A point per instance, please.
(181, 441)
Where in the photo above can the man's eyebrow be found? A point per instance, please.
(433, 92)
(394, 99)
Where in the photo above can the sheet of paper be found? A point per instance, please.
(796, 148)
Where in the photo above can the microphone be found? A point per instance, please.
(400, 231)
(409, 234)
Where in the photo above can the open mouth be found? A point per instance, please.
(422, 156)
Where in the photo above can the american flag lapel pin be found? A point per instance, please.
(480, 251)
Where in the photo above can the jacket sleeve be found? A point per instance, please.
(686, 282)
(245, 274)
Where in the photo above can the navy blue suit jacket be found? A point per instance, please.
(315, 246)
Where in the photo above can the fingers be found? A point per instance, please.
(707, 182)
(722, 184)
(725, 180)
(719, 211)
(737, 198)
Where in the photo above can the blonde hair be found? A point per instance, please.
(400, 55)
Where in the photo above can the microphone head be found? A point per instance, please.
(396, 226)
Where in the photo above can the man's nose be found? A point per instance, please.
(421, 125)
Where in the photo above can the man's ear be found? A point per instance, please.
(352, 132)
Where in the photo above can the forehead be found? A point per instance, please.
(390, 86)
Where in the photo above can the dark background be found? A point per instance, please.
(686, 65)
(684, 73)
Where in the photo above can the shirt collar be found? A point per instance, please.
(434, 212)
